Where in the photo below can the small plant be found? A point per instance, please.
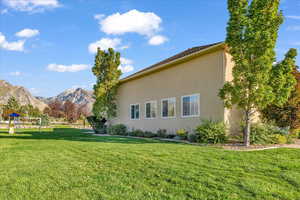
(211, 132)
(98, 125)
(182, 133)
(162, 133)
(149, 134)
(280, 139)
(192, 137)
(136, 133)
(269, 134)
(118, 129)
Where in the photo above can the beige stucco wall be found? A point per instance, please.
(232, 117)
(203, 75)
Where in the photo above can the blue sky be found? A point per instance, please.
(48, 45)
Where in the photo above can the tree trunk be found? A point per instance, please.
(247, 129)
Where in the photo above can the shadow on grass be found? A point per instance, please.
(72, 134)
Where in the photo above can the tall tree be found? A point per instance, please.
(55, 109)
(287, 115)
(70, 111)
(252, 33)
(108, 75)
(12, 106)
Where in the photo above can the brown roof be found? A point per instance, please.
(175, 57)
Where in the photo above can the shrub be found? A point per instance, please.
(269, 134)
(98, 125)
(118, 129)
(132, 133)
(192, 137)
(137, 133)
(279, 139)
(149, 134)
(170, 136)
(162, 133)
(182, 133)
(211, 132)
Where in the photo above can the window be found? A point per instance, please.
(168, 108)
(150, 109)
(135, 111)
(190, 105)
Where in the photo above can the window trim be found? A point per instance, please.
(161, 106)
(189, 116)
(134, 104)
(152, 101)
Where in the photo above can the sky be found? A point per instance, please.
(49, 46)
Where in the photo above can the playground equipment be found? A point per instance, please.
(12, 121)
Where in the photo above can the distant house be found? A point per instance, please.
(177, 92)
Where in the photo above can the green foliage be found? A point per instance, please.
(98, 125)
(162, 133)
(45, 120)
(118, 129)
(149, 134)
(107, 74)
(182, 133)
(136, 133)
(268, 134)
(211, 132)
(252, 33)
(287, 115)
(192, 137)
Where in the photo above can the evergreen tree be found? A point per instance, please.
(252, 33)
(108, 75)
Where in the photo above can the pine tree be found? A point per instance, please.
(252, 33)
(107, 74)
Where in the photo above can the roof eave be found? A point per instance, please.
(179, 60)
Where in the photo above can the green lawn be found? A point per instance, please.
(65, 163)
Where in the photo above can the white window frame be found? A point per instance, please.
(135, 104)
(161, 106)
(191, 95)
(155, 102)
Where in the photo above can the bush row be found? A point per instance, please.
(214, 132)
(208, 132)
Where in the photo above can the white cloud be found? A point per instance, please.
(16, 73)
(4, 11)
(106, 43)
(133, 21)
(126, 65)
(293, 28)
(27, 33)
(293, 17)
(99, 16)
(157, 40)
(67, 68)
(11, 46)
(31, 5)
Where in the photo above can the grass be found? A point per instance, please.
(64, 163)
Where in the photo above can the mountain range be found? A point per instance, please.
(20, 93)
(81, 97)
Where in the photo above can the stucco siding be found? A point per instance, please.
(202, 75)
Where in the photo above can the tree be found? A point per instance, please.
(11, 107)
(55, 109)
(70, 111)
(107, 74)
(252, 33)
(287, 115)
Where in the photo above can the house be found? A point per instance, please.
(177, 92)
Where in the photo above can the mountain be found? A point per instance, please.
(82, 98)
(20, 93)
